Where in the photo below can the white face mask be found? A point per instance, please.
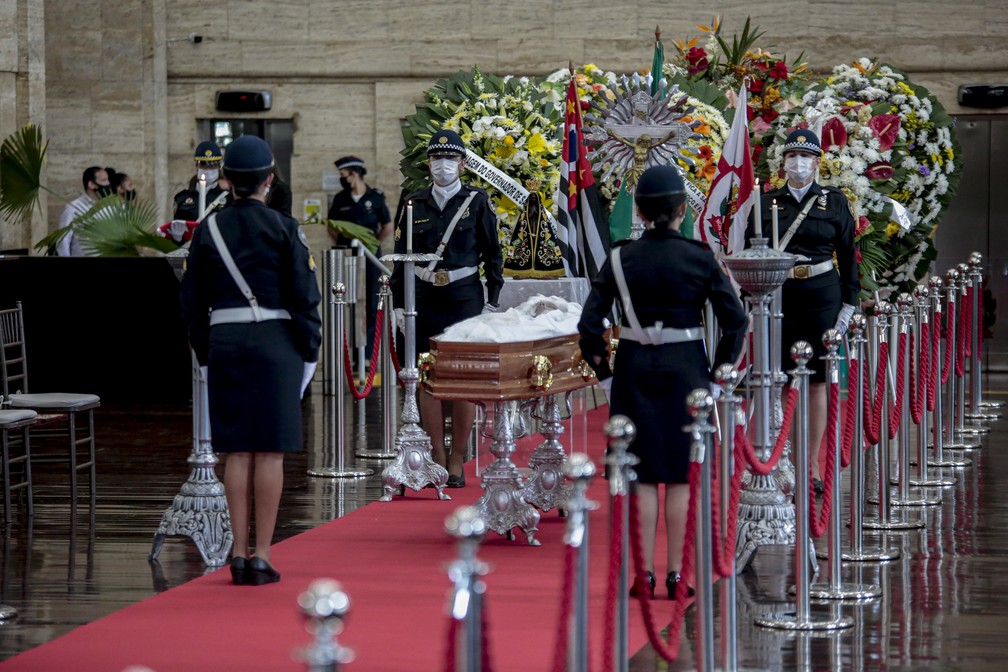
(210, 176)
(444, 171)
(799, 168)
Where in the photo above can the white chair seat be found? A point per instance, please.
(13, 416)
(54, 401)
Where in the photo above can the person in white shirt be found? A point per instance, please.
(96, 186)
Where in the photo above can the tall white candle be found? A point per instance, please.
(201, 190)
(773, 221)
(758, 215)
(409, 227)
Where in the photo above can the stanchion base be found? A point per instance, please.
(894, 524)
(982, 416)
(961, 445)
(845, 591)
(915, 501)
(788, 620)
(932, 483)
(7, 613)
(947, 462)
(340, 473)
(871, 555)
(972, 430)
(992, 404)
(375, 454)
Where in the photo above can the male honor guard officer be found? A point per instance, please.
(360, 204)
(819, 294)
(458, 223)
(208, 159)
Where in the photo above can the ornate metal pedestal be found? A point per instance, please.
(546, 488)
(413, 466)
(766, 515)
(503, 505)
(7, 613)
(200, 509)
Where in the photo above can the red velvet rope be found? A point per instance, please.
(818, 523)
(667, 650)
(566, 602)
(873, 420)
(918, 390)
(612, 587)
(932, 383)
(850, 417)
(348, 367)
(968, 336)
(980, 321)
(392, 349)
(960, 363)
(949, 342)
(742, 439)
(896, 414)
(724, 551)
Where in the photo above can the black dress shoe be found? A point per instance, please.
(456, 481)
(673, 583)
(239, 571)
(643, 585)
(260, 572)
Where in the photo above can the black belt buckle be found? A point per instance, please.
(441, 278)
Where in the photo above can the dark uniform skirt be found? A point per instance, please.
(650, 386)
(810, 307)
(254, 379)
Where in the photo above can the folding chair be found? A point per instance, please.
(52, 407)
(10, 420)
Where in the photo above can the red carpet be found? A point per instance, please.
(391, 558)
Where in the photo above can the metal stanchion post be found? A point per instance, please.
(337, 427)
(700, 405)
(952, 440)
(332, 272)
(857, 551)
(621, 432)
(962, 428)
(325, 606)
(801, 618)
(579, 469)
(887, 520)
(836, 589)
(727, 377)
(388, 384)
(468, 527)
(905, 304)
(922, 321)
(978, 409)
(939, 457)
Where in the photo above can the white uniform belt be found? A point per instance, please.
(443, 277)
(655, 335)
(245, 315)
(806, 271)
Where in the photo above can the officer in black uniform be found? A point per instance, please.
(208, 158)
(820, 293)
(255, 324)
(361, 204)
(662, 282)
(450, 290)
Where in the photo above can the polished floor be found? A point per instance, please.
(943, 606)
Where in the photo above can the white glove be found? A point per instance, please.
(489, 308)
(844, 318)
(307, 375)
(177, 229)
(606, 386)
(400, 319)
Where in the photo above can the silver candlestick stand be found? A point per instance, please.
(766, 516)
(413, 465)
(200, 509)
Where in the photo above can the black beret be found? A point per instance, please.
(446, 142)
(659, 189)
(208, 151)
(802, 140)
(248, 153)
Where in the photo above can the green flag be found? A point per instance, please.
(657, 62)
(687, 228)
(621, 216)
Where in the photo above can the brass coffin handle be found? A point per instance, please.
(425, 363)
(541, 375)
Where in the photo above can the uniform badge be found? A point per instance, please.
(465, 214)
(189, 200)
(822, 201)
(304, 240)
(367, 204)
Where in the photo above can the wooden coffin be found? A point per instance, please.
(504, 371)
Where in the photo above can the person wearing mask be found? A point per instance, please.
(662, 282)
(96, 187)
(280, 197)
(459, 223)
(361, 204)
(208, 158)
(250, 300)
(121, 184)
(819, 294)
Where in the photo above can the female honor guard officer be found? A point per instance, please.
(662, 282)
(816, 222)
(458, 223)
(250, 299)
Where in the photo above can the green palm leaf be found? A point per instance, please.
(21, 158)
(115, 228)
(351, 230)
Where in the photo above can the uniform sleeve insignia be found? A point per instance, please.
(311, 262)
(398, 231)
(304, 240)
(189, 200)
